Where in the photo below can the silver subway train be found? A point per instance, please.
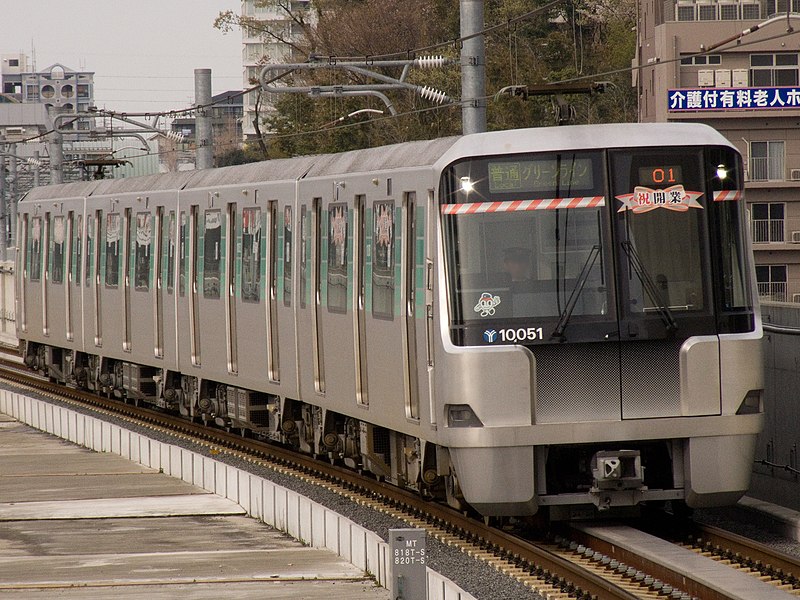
(556, 317)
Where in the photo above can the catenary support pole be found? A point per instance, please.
(473, 68)
(202, 96)
(56, 149)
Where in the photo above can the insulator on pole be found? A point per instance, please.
(433, 95)
(429, 62)
(174, 136)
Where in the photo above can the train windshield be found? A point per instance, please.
(548, 248)
(529, 247)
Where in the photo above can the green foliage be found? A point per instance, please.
(587, 40)
(238, 156)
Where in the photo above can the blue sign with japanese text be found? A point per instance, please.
(737, 98)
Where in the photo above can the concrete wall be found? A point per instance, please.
(780, 442)
(263, 499)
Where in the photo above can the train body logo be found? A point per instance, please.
(489, 336)
(644, 199)
(383, 225)
(486, 304)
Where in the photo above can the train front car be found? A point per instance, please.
(601, 346)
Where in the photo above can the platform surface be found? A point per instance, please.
(79, 524)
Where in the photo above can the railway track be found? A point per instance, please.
(645, 562)
(555, 571)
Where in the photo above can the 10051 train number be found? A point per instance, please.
(513, 335)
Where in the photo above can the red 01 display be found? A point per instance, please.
(660, 175)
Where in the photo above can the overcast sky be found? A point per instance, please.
(143, 53)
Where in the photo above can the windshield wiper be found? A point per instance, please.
(576, 292)
(650, 287)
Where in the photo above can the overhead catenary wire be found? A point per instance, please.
(458, 103)
(705, 50)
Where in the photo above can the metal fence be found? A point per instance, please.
(774, 291)
(768, 230)
(764, 168)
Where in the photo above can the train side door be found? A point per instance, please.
(391, 232)
(22, 272)
(45, 249)
(75, 278)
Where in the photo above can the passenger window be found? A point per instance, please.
(383, 260)
(170, 252)
(303, 255)
(144, 234)
(113, 244)
(337, 258)
(78, 237)
(90, 247)
(212, 248)
(287, 256)
(251, 255)
(182, 266)
(35, 250)
(57, 265)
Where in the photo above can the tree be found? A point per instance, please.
(589, 36)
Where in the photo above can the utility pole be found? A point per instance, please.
(56, 149)
(473, 68)
(204, 158)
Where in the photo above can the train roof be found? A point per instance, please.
(583, 137)
(436, 153)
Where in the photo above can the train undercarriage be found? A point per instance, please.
(573, 480)
(399, 459)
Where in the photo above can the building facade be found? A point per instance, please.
(60, 89)
(749, 90)
(226, 132)
(261, 44)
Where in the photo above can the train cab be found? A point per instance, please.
(616, 283)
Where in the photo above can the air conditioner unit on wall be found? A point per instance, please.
(796, 237)
(705, 78)
(741, 78)
(794, 174)
(796, 298)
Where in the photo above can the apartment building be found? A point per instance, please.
(749, 90)
(260, 48)
(61, 89)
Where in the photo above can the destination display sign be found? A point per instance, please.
(539, 175)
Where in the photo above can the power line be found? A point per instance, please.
(454, 42)
(715, 49)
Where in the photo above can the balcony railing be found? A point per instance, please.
(767, 169)
(768, 230)
(776, 292)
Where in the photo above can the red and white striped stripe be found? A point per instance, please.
(472, 208)
(727, 195)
